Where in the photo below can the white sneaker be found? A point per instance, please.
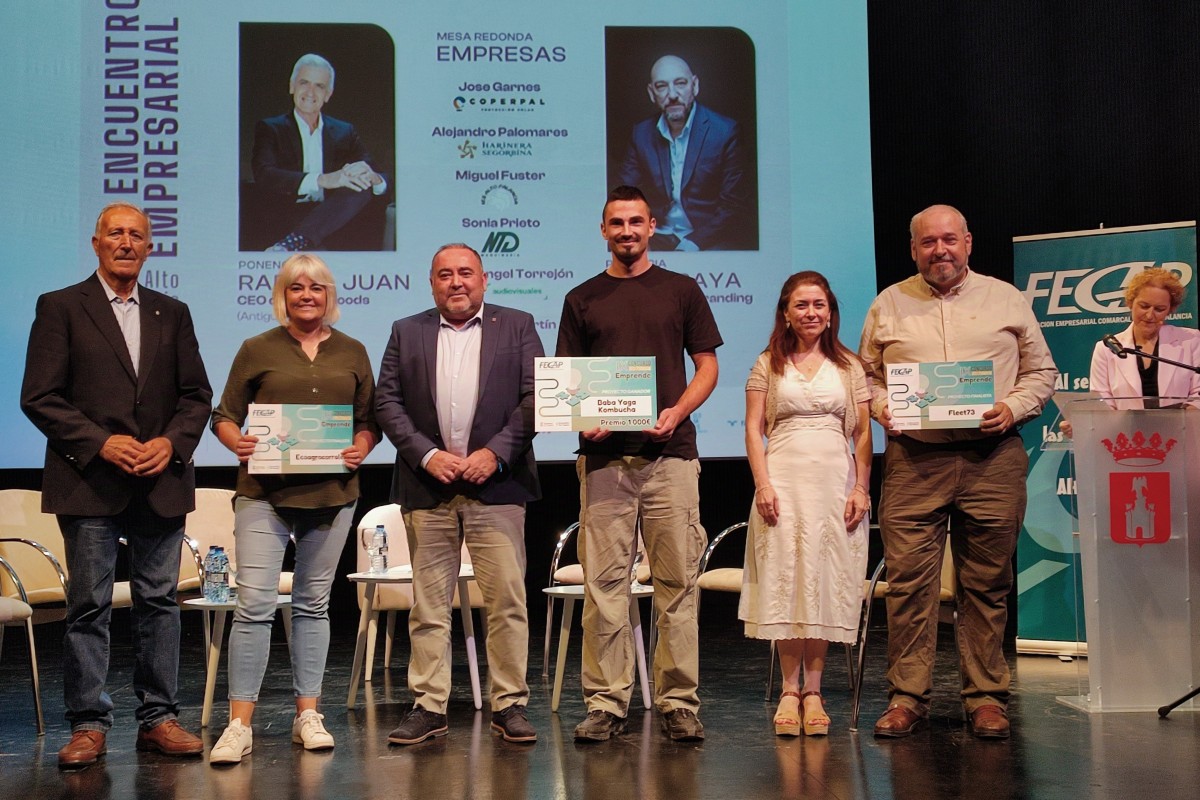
(309, 731)
(235, 742)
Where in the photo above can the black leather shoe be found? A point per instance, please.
(417, 726)
(513, 724)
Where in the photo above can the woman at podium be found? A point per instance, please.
(1152, 295)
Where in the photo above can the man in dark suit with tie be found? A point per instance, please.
(690, 164)
(455, 396)
(313, 166)
(113, 378)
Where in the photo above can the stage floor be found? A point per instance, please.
(1055, 752)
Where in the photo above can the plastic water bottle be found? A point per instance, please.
(378, 550)
(216, 575)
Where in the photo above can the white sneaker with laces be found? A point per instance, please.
(235, 742)
(309, 731)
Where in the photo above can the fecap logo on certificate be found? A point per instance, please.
(579, 394)
(299, 438)
(939, 394)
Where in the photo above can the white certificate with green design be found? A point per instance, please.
(582, 393)
(940, 394)
(299, 438)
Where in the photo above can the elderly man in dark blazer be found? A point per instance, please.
(455, 395)
(314, 164)
(113, 378)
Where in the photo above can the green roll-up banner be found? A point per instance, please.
(1076, 285)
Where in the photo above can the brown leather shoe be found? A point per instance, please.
(84, 749)
(170, 739)
(898, 721)
(990, 722)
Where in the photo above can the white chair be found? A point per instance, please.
(17, 611)
(21, 517)
(729, 579)
(396, 597)
(572, 575)
(212, 523)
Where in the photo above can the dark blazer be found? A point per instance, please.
(80, 388)
(714, 192)
(406, 407)
(278, 156)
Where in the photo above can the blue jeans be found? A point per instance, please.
(261, 532)
(154, 550)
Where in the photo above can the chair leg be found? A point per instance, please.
(33, 674)
(372, 635)
(388, 639)
(850, 664)
(286, 614)
(771, 673)
(483, 631)
(635, 622)
(546, 643)
(856, 693)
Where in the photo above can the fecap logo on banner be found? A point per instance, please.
(1139, 503)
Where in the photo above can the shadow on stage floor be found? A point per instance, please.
(1055, 751)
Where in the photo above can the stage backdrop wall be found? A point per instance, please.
(1075, 282)
(495, 122)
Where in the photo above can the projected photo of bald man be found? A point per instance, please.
(695, 164)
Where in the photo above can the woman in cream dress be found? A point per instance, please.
(806, 548)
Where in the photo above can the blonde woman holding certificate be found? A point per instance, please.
(305, 360)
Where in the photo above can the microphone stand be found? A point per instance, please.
(1120, 350)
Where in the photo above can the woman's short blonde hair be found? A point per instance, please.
(1158, 278)
(311, 267)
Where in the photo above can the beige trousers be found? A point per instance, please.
(616, 493)
(495, 537)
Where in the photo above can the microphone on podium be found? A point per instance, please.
(1111, 343)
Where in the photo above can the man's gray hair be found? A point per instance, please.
(123, 204)
(312, 60)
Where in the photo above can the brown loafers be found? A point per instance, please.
(898, 721)
(170, 739)
(990, 722)
(84, 749)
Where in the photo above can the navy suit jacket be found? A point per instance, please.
(278, 156)
(406, 407)
(714, 192)
(80, 388)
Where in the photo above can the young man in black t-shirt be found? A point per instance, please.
(637, 309)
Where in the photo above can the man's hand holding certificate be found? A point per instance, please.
(585, 393)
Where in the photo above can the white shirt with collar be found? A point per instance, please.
(457, 375)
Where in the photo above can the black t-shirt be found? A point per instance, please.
(659, 313)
